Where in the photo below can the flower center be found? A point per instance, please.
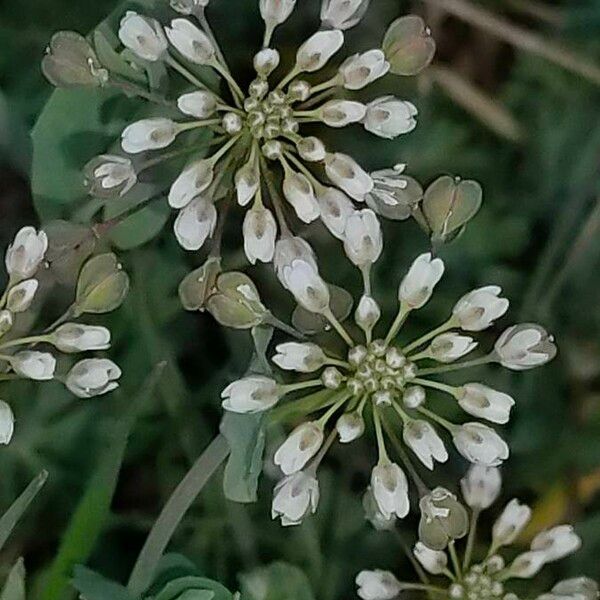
(479, 583)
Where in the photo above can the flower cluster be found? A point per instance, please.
(102, 286)
(256, 134)
(445, 520)
(384, 380)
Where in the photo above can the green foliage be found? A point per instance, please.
(278, 581)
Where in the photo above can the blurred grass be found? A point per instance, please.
(536, 236)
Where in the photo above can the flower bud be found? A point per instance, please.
(484, 402)
(198, 285)
(102, 285)
(275, 12)
(232, 123)
(236, 302)
(350, 426)
(408, 45)
(7, 423)
(143, 36)
(423, 440)
(148, 134)
(301, 357)
(299, 192)
(448, 347)
(339, 113)
(273, 150)
(266, 61)
(390, 490)
(195, 223)
(557, 543)
(299, 91)
(93, 377)
(73, 337)
(433, 561)
(287, 250)
(109, 176)
(6, 321)
(33, 365)
(481, 486)
(260, 231)
(394, 196)
(188, 7)
(510, 523)
(345, 172)
(70, 61)
(342, 14)
(190, 41)
(367, 314)
(299, 447)
(311, 149)
(307, 286)
(480, 444)
(191, 182)
(21, 296)
(246, 183)
(389, 117)
(199, 104)
(252, 394)
(316, 51)
(377, 585)
(294, 498)
(25, 254)
(363, 240)
(417, 286)
(478, 309)
(527, 565)
(413, 396)
(443, 519)
(332, 378)
(525, 346)
(360, 70)
(335, 209)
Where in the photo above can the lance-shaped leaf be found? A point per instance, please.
(408, 45)
(14, 588)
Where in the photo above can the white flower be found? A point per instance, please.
(7, 423)
(295, 497)
(109, 174)
(423, 440)
(339, 113)
(480, 444)
(449, 347)
(302, 357)
(21, 295)
(360, 70)
(478, 309)
(311, 149)
(188, 7)
(266, 61)
(73, 337)
(148, 134)
(260, 231)
(24, 255)
(335, 208)
(143, 36)
(363, 240)
(482, 401)
(481, 486)
(299, 192)
(377, 585)
(6, 321)
(275, 12)
(389, 196)
(191, 182)
(318, 49)
(195, 223)
(346, 173)
(200, 104)
(417, 286)
(251, 394)
(307, 286)
(34, 365)
(190, 41)
(433, 561)
(93, 377)
(350, 426)
(367, 313)
(343, 14)
(527, 565)
(288, 249)
(578, 588)
(246, 183)
(556, 543)
(299, 447)
(510, 523)
(525, 346)
(390, 490)
(389, 117)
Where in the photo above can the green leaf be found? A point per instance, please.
(92, 586)
(278, 581)
(14, 588)
(11, 517)
(193, 588)
(141, 227)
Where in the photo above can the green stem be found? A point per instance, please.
(449, 324)
(451, 427)
(471, 539)
(436, 385)
(175, 509)
(403, 312)
(26, 340)
(383, 455)
(190, 77)
(338, 327)
(455, 561)
(295, 387)
(457, 366)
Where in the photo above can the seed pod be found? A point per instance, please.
(408, 45)
(198, 285)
